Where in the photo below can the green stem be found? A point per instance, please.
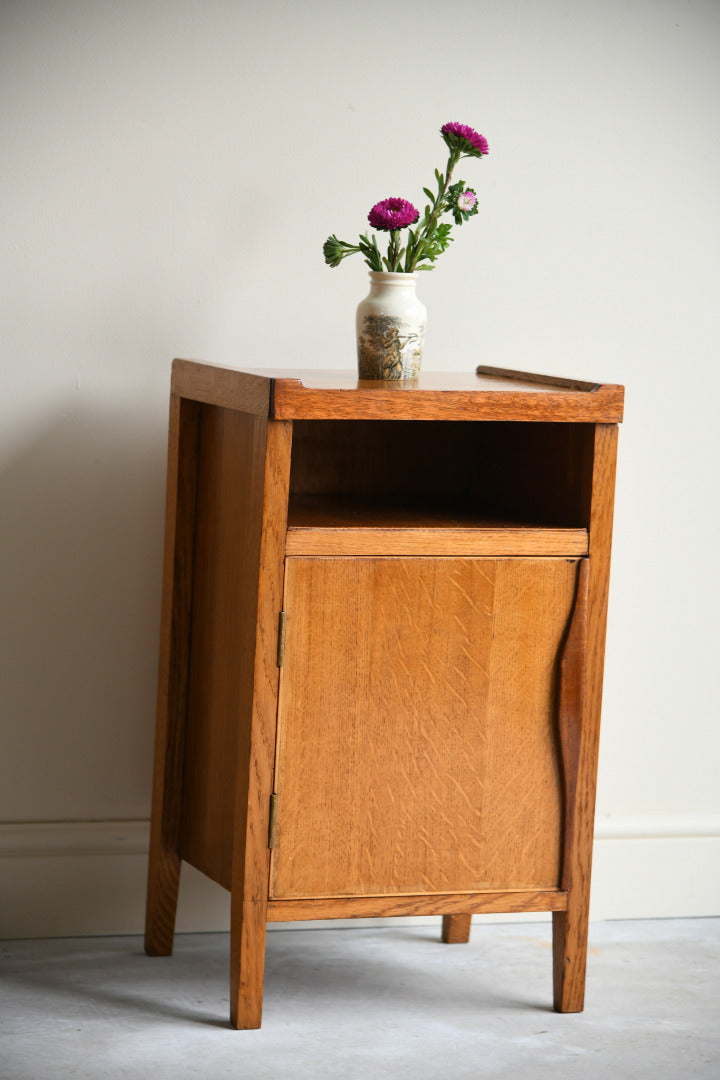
(432, 221)
(393, 251)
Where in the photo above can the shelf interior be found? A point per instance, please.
(460, 479)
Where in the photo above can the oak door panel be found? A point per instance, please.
(417, 742)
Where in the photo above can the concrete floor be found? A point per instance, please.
(367, 1002)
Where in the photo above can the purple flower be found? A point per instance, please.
(467, 200)
(464, 138)
(393, 214)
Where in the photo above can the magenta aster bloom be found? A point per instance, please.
(467, 200)
(464, 138)
(393, 214)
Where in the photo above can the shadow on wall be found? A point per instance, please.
(80, 566)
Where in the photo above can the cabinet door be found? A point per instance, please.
(417, 738)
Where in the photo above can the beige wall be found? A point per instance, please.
(170, 171)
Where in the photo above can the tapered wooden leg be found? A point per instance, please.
(570, 937)
(162, 896)
(580, 693)
(247, 964)
(456, 929)
(164, 862)
(251, 859)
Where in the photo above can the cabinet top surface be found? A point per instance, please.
(485, 394)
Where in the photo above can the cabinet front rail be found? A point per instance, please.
(375, 907)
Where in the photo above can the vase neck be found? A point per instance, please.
(397, 281)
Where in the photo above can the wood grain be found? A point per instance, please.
(223, 387)
(164, 861)
(571, 710)
(570, 928)
(378, 907)
(433, 734)
(255, 757)
(231, 462)
(395, 400)
(322, 395)
(243, 475)
(416, 742)
(530, 474)
(437, 541)
(571, 702)
(327, 525)
(532, 377)
(456, 929)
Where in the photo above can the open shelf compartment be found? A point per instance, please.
(374, 487)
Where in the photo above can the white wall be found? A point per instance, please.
(169, 173)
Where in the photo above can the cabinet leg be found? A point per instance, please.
(570, 937)
(164, 862)
(247, 964)
(162, 896)
(456, 929)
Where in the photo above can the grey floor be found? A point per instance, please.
(367, 1002)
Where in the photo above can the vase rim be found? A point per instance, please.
(390, 276)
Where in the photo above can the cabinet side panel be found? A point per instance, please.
(417, 747)
(222, 650)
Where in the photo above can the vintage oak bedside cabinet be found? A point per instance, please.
(381, 662)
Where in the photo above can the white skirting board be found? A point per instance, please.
(64, 879)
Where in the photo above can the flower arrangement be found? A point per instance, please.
(431, 237)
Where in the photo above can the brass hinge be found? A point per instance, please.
(271, 824)
(281, 640)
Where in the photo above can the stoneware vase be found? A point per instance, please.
(390, 328)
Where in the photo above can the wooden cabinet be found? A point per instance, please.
(382, 648)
